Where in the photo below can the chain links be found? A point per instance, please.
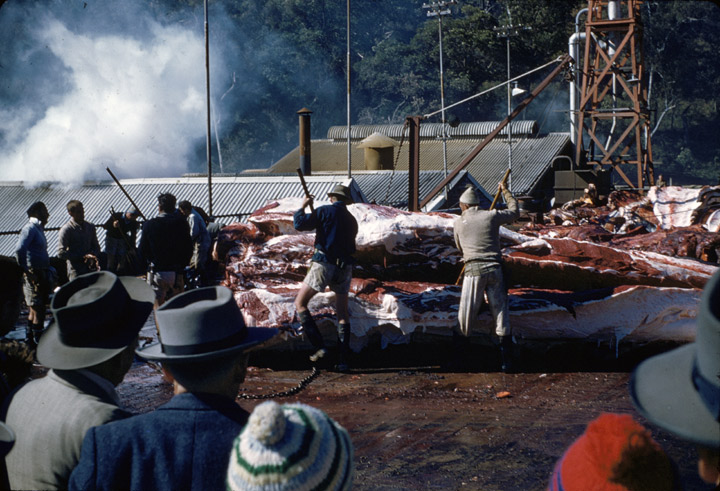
(285, 393)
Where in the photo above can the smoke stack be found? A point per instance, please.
(379, 152)
(304, 122)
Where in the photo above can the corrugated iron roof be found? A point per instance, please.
(523, 128)
(391, 188)
(233, 199)
(532, 158)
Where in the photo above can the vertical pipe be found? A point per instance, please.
(509, 111)
(207, 91)
(347, 62)
(442, 105)
(414, 163)
(304, 124)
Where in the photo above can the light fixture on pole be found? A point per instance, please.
(507, 31)
(439, 9)
(516, 91)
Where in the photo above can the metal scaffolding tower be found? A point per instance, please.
(613, 116)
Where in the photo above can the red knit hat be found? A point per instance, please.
(614, 454)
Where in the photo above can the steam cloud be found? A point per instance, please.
(80, 95)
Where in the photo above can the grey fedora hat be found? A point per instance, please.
(7, 439)
(202, 324)
(680, 390)
(96, 316)
(342, 192)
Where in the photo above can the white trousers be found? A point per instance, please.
(472, 299)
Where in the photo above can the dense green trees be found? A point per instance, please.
(283, 55)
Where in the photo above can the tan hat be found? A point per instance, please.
(341, 192)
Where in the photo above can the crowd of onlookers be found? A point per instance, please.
(66, 430)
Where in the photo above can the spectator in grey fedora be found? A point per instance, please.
(89, 349)
(680, 390)
(186, 443)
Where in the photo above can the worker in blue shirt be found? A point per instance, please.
(331, 265)
(39, 277)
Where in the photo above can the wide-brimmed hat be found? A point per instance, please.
(680, 390)
(7, 439)
(293, 446)
(96, 316)
(342, 192)
(202, 324)
(470, 197)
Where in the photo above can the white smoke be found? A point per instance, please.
(134, 104)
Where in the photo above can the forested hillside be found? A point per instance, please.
(270, 58)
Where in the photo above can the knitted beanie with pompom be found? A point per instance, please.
(293, 446)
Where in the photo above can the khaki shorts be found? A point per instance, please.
(36, 294)
(322, 275)
(165, 284)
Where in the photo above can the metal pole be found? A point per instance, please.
(442, 107)
(208, 143)
(439, 9)
(509, 110)
(563, 62)
(347, 61)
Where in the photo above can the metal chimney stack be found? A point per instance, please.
(304, 123)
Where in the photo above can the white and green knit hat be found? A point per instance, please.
(293, 446)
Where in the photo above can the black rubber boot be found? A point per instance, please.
(344, 339)
(32, 335)
(313, 334)
(29, 338)
(506, 354)
(459, 358)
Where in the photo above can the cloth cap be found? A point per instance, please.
(614, 454)
(680, 390)
(342, 192)
(96, 316)
(202, 324)
(293, 446)
(470, 197)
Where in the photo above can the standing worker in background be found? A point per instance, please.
(166, 246)
(477, 236)
(78, 243)
(335, 231)
(32, 257)
(200, 239)
(120, 239)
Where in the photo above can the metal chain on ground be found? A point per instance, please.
(397, 157)
(285, 393)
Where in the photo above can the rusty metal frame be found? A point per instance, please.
(601, 71)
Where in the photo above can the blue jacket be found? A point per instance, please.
(184, 444)
(335, 230)
(31, 249)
